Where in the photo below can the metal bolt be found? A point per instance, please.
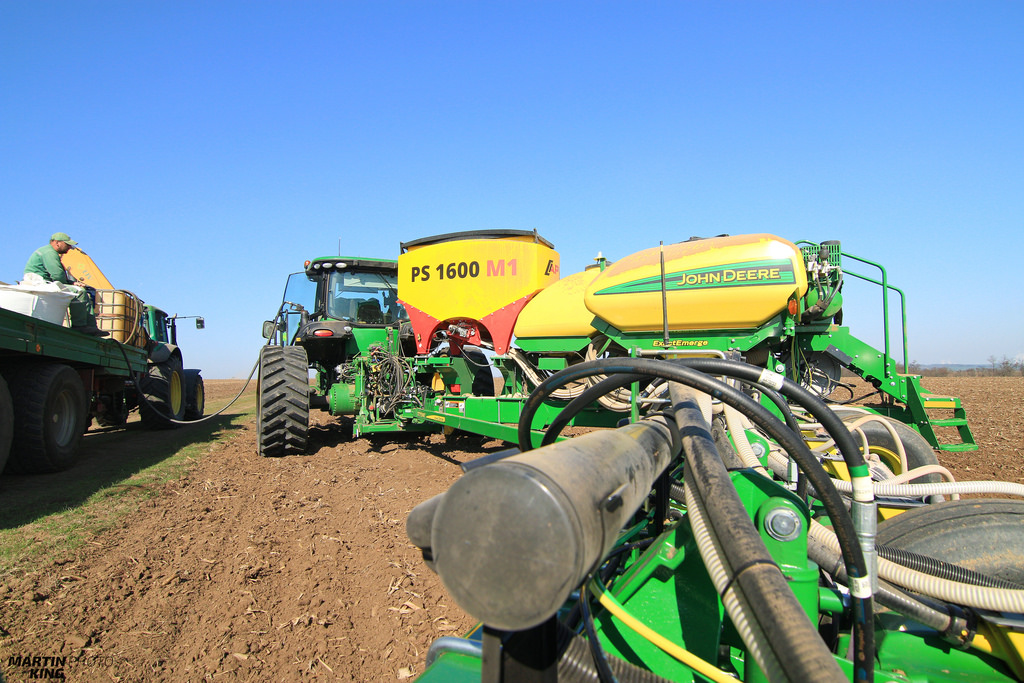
(783, 524)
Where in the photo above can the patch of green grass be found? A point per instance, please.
(44, 517)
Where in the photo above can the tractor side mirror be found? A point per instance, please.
(268, 329)
(200, 324)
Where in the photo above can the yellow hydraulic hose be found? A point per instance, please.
(691, 660)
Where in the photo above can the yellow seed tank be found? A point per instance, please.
(716, 283)
(476, 281)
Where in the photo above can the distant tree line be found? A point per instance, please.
(997, 367)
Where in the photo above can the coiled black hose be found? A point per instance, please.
(856, 464)
(831, 422)
(589, 395)
(942, 569)
(680, 371)
(772, 616)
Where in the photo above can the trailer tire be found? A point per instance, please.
(982, 534)
(6, 422)
(880, 442)
(163, 394)
(195, 395)
(282, 424)
(50, 410)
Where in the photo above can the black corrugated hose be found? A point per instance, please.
(793, 443)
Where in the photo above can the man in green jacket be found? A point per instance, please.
(45, 262)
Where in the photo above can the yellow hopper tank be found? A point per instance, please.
(472, 285)
(717, 283)
(559, 311)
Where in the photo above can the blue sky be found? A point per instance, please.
(201, 151)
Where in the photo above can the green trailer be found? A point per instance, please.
(55, 381)
(52, 379)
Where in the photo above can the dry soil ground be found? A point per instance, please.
(298, 568)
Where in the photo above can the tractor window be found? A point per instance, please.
(301, 290)
(370, 298)
(158, 325)
(299, 296)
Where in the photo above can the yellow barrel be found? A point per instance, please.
(717, 283)
(481, 277)
(559, 311)
(120, 313)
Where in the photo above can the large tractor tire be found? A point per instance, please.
(195, 395)
(163, 395)
(6, 422)
(880, 442)
(283, 401)
(50, 410)
(985, 535)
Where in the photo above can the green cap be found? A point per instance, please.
(62, 237)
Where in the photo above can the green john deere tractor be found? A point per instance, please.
(168, 392)
(340, 321)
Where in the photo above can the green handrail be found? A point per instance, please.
(884, 284)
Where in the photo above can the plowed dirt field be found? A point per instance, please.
(295, 568)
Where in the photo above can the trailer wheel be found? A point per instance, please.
(282, 391)
(49, 404)
(163, 389)
(6, 422)
(880, 442)
(982, 534)
(195, 395)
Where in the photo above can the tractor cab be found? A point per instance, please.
(338, 306)
(158, 325)
(356, 292)
(163, 328)
(364, 294)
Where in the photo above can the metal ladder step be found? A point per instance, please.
(950, 422)
(940, 401)
(957, 447)
(920, 401)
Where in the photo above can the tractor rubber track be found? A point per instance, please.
(283, 394)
